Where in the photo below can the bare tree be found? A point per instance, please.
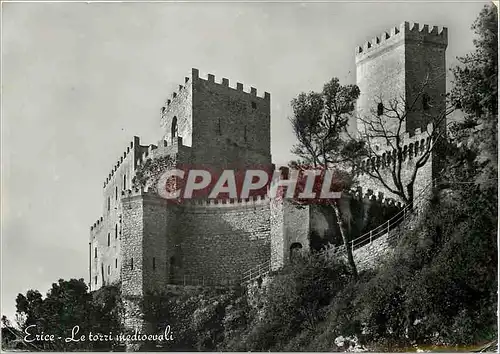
(386, 126)
(319, 122)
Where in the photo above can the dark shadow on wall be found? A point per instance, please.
(365, 214)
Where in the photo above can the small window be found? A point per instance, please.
(109, 269)
(131, 264)
(425, 101)
(109, 240)
(254, 105)
(95, 280)
(173, 130)
(154, 263)
(95, 252)
(380, 109)
(116, 263)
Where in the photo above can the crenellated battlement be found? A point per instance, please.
(407, 31)
(224, 82)
(260, 200)
(413, 145)
(132, 146)
(230, 202)
(97, 223)
(367, 195)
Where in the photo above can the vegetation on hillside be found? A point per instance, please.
(438, 289)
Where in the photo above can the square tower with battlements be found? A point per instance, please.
(222, 125)
(406, 64)
(145, 243)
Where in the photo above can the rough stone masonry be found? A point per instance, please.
(146, 243)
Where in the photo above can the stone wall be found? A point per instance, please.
(290, 228)
(132, 250)
(369, 256)
(105, 267)
(413, 148)
(179, 107)
(395, 65)
(230, 126)
(219, 242)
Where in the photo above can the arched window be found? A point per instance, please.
(380, 109)
(425, 101)
(173, 129)
(295, 250)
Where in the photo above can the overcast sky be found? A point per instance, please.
(80, 80)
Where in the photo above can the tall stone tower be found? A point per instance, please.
(406, 64)
(221, 125)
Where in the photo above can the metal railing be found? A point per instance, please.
(256, 272)
(193, 280)
(409, 210)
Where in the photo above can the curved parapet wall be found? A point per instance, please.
(413, 146)
(203, 239)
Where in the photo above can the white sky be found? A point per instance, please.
(80, 80)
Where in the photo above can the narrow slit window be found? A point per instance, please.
(95, 252)
(109, 240)
(109, 269)
(219, 129)
(245, 133)
(125, 182)
(116, 193)
(131, 264)
(425, 101)
(154, 263)
(95, 280)
(116, 263)
(173, 130)
(380, 109)
(109, 204)
(116, 231)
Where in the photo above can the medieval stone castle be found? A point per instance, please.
(146, 243)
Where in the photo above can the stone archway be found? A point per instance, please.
(295, 250)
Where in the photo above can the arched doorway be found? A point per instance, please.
(295, 250)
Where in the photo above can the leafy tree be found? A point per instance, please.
(475, 92)
(320, 122)
(475, 89)
(66, 305)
